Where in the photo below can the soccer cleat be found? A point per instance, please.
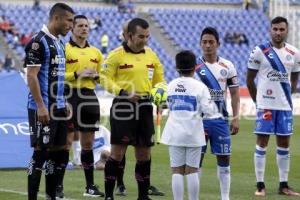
(288, 192)
(260, 192)
(108, 198)
(93, 191)
(261, 189)
(121, 190)
(59, 192)
(154, 191)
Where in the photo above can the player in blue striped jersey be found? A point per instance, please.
(218, 74)
(45, 63)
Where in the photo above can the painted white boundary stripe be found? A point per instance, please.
(25, 193)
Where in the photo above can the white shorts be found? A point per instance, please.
(180, 156)
(97, 152)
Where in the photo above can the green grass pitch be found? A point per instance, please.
(13, 183)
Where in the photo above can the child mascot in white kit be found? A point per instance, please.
(187, 100)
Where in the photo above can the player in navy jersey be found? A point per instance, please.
(218, 74)
(45, 63)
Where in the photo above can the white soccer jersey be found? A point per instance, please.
(217, 77)
(271, 91)
(187, 100)
(101, 142)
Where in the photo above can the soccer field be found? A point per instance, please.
(13, 183)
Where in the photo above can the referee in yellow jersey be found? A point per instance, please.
(135, 69)
(83, 65)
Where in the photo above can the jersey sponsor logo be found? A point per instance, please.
(180, 88)
(182, 102)
(71, 61)
(94, 61)
(150, 66)
(125, 66)
(253, 60)
(58, 60)
(275, 75)
(290, 51)
(216, 95)
(270, 55)
(57, 72)
(223, 65)
(202, 72)
(268, 95)
(224, 137)
(222, 80)
(269, 92)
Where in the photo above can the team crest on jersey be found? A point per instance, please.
(223, 72)
(288, 57)
(35, 46)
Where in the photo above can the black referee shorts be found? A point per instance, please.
(85, 110)
(132, 123)
(47, 135)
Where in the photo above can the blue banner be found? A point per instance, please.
(15, 148)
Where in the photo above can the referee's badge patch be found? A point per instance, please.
(104, 66)
(35, 46)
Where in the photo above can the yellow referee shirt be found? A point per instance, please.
(133, 72)
(78, 59)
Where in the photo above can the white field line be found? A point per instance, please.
(25, 193)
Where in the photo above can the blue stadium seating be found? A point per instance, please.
(184, 28)
(28, 20)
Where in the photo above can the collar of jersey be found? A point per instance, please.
(46, 30)
(74, 44)
(202, 58)
(127, 49)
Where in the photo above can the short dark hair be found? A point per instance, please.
(278, 20)
(211, 31)
(59, 9)
(79, 17)
(185, 62)
(137, 22)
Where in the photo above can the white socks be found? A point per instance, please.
(223, 174)
(193, 186)
(283, 163)
(260, 163)
(76, 152)
(178, 186)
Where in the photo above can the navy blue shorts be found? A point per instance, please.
(47, 135)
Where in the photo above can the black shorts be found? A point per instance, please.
(132, 123)
(48, 135)
(85, 110)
